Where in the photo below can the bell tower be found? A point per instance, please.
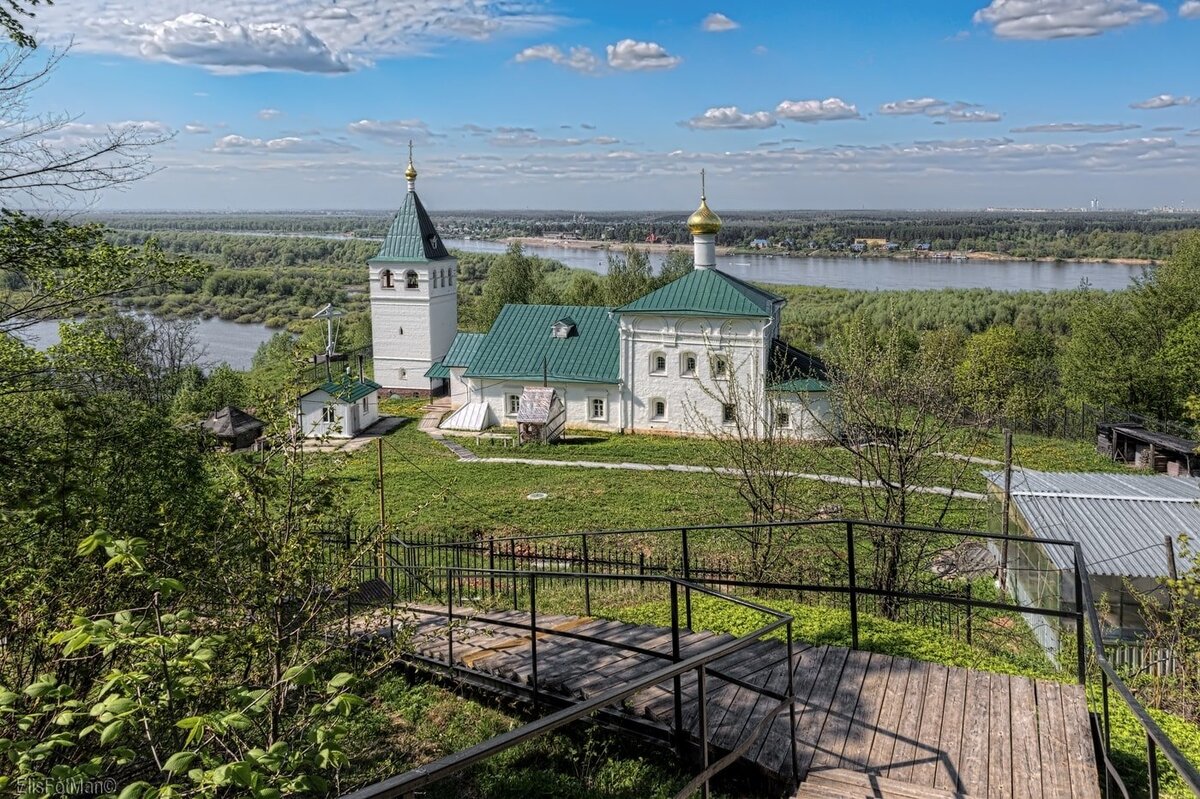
(414, 298)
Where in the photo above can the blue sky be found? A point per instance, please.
(618, 105)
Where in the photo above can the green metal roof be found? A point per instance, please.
(348, 390)
(412, 238)
(793, 370)
(802, 386)
(706, 292)
(463, 349)
(521, 337)
(438, 371)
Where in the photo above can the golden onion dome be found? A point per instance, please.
(411, 172)
(704, 220)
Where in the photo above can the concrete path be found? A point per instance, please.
(434, 412)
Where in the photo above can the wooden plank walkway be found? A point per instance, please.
(942, 730)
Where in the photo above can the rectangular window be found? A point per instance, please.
(328, 414)
(598, 409)
(783, 419)
(728, 413)
(513, 404)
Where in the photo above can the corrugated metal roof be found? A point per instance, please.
(412, 236)
(1120, 520)
(463, 349)
(521, 337)
(706, 292)
(438, 371)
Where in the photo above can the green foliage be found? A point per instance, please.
(1131, 348)
(1007, 373)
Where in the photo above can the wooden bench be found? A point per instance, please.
(505, 439)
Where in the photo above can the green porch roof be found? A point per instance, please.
(706, 292)
(521, 337)
(793, 370)
(438, 371)
(412, 238)
(348, 390)
(463, 349)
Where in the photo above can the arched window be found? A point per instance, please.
(385, 279)
(687, 364)
(450, 276)
(658, 410)
(410, 280)
(400, 331)
(658, 363)
(442, 278)
(720, 367)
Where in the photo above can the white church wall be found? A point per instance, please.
(579, 398)
(810, 416)
(693, 399)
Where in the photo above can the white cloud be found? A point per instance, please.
(580, 59)
(1190, 9)
(196, 127)
(920, 105)
(816, 110)
(965, 112)
(289, 35)
(628, 54)
(393, 131)
(1059, 19)
(1077, 127)
(1162, 101)
(717, 22)
(269, 113)
(730, 118)
(527, 137)
(234, 144)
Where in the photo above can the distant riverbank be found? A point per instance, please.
(980, 255)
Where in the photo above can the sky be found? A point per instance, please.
(617, 105)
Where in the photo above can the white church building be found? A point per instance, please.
(697, 356)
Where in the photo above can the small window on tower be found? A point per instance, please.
(400, 331)
(410, 280)
(658, 363)
(385, 279)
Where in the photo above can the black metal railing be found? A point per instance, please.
(455, 590)
(832, 569)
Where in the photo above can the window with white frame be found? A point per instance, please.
(597, 409)
(658, 410)
(328, 414)
(728, 413)
(411, 281)
(720, 367)
(658, 363)
(385, 279)
(364, 403)
(687, 364)
(512, 404)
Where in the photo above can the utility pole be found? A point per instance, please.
(1005, 509)
(379, 555)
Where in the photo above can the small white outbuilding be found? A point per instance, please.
(339, 409)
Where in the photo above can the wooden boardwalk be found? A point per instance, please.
(940, 729)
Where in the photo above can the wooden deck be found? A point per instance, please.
(939, 729)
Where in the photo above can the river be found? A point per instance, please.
(223, 342)
(873, 274)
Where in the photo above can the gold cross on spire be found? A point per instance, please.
(411, 172)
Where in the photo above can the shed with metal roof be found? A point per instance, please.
(1121, 522)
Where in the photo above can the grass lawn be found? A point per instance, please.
(429, 491)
